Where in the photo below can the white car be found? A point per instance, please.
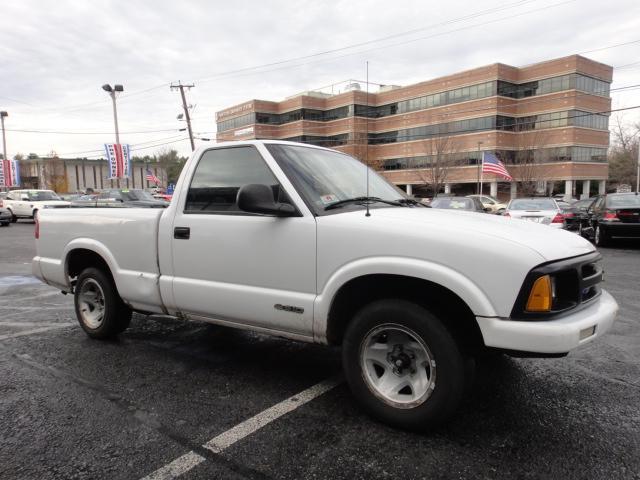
(288, 239)
(27, 203)
(542, 210)
(494, 205)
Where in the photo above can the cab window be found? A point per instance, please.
(220, 174)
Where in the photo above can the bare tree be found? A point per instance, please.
(441, 151)
(530, 160)
(53, 174)
(623, 153)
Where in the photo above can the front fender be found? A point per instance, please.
(471, 293)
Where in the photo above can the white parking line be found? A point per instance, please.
(26, 324)
(35, 330)
(223, 441)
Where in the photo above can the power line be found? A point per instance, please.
(245, 71)
(376, 40)
(52, 132)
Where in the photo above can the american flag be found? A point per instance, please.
(491, 164)
(151, 177)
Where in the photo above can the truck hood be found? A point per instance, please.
(549, 243)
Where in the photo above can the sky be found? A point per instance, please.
(54, 57)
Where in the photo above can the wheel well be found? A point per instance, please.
(449, 307)
(81, 258)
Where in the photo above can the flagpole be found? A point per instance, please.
(481, 172)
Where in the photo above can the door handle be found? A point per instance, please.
(181, 233)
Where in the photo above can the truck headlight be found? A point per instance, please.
(541, 295)
(555, 287)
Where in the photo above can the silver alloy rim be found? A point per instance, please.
(91, 303)
(397, 366)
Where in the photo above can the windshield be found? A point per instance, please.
(136, 194)
(324, 177)
(623, 201)
(42, 195)
(532, 204)
(453, 203)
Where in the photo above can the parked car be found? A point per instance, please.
(577, 216)
(123, 197)
(541, 210)
(27, 203)
(288, 239)
(459, 203)
(5, 217)
(615, 215)
(494, 205)
(560, 196)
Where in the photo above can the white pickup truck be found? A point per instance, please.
(27, 203)
(292, 240)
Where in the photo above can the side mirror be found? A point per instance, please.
(24, 198)
(258, 198)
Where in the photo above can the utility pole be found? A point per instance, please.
(4, 139)
(181, 87)
(637, 168)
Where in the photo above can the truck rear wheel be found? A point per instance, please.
(99, 309)
(393, 352)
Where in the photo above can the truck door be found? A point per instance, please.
(236, 266)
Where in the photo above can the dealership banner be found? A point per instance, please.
(9, 173)
(119, 160)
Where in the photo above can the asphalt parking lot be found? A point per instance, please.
(144, 405)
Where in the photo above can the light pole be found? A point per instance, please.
(479, 167)
(4, 139)
(637, 169)
(112, 93)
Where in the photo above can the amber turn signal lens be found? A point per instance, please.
(540, 296)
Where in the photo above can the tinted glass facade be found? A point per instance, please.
(558, 154)
(457, 95)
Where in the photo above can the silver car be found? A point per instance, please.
(540, 210)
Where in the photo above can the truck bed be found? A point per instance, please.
(126, 238)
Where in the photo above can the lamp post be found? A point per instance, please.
(112, 93)
(637, 171)
(479, 167)
(4, 139)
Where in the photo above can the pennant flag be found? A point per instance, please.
(9, 173)
(119, 160)
(491, 164)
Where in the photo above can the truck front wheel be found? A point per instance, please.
(403, 365)
(99, 309)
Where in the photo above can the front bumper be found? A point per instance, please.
(551, 336)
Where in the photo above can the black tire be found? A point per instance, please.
(453, 370)
(601, 237)
(14, 219)
(116, 316)
(5, 224)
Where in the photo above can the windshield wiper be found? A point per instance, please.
(410, 201)
(340, 203)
